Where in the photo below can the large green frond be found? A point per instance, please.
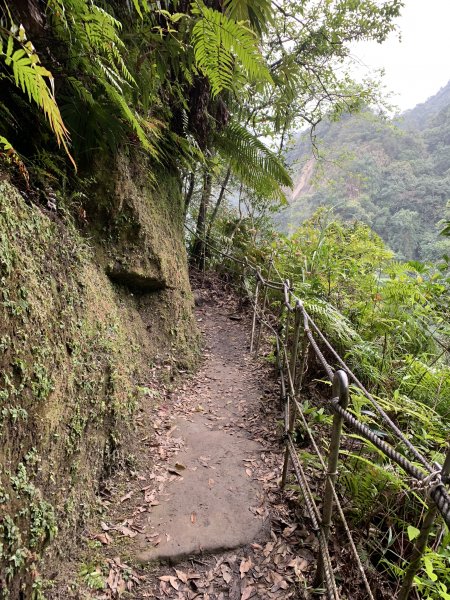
(134, 120)
(259, 13)
(252, 162)
(219, 43)
(35, 81)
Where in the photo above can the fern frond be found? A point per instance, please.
(141, 7)
(34, 81)
(259, 13)
(252, 162)
(83, 93)
(133, 119)
(218, 43)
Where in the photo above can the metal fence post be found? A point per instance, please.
(305, 349)
(294, 349)
(290, 416)
(421, 543)
(287, 323)
(340, 390)
(290, 412)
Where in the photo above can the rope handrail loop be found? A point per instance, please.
(340, 387)
(369, 396)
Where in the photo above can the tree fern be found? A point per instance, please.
(218, 43)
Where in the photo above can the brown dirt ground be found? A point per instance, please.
(199, 513)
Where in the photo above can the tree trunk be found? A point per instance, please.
(189, 192)
(198, 249)
(219, 202)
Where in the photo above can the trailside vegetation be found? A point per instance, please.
(389, 321)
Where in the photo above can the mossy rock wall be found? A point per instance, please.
(80, 327)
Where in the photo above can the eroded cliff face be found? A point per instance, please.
(85, 312)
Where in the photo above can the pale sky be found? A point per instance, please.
(418, 65)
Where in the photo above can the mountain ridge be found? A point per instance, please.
(393, 175)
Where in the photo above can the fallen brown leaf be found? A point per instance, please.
(247, 593)
(289, 530)
(226, 573)
(245, 566)
(126, 531)
(170, 579)
(181, 576)
(103, 538)
(173, 471)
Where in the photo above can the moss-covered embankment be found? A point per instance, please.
(82, 319)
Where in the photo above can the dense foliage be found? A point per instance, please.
(192, 84)
(394, 176)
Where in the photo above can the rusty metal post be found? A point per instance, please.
(254, 316)
(340, 390)
(421, 543)
(294, 349)
(285, 365)
(303, 362)
(288, 318)
(286, 461)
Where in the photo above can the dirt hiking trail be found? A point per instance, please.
(213, 502)
(202, 516)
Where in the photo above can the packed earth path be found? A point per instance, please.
(202, 516)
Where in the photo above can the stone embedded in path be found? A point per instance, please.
(209, 508)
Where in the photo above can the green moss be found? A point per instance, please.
(73, 349)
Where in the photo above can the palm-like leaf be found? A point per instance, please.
(259, 13)
(252, 162)
(218, 43)
(34, 81)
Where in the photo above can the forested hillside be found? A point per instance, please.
(392, 175)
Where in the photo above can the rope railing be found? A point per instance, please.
(296, 337)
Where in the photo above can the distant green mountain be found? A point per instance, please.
(393, 175)
(420, 116)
